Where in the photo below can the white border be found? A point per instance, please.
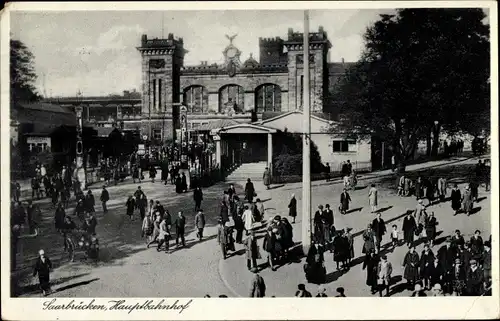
(273, 308)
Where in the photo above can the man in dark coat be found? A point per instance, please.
(371, 265)
(409, 228)
(269, 245)
(59, 216)
(475, 280)
(435, 272)
(184, 185)
(197, 197)
(104, 199)
(42, 267)
(328, 213)
(447, 255)
(31, 212)
(258, 287)
(178, 184)
(249, 191)
(180, 225)
(378, 226)
(89, 201)
(199, 222)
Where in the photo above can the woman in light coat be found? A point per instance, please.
(373, 198)
(248, 219)
(442, 188)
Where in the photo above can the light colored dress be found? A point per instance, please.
(373, 196)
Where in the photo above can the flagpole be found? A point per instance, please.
(306, 146)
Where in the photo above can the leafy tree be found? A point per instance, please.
(22, 73)
(422, 70)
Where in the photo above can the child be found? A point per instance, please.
(395, 236)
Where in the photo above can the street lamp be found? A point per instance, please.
(80, 168)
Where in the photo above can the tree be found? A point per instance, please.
(421, 71)
(22, 73)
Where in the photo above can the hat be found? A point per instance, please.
(420, 201)
(472, 261)
(436, 287)
(41, 252)
(458, 261)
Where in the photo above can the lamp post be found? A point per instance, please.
(435, 138)
(306, 146)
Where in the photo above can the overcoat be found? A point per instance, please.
(411, 263)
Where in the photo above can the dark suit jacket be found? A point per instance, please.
(258, 288)
(379, 228)
(180, 224)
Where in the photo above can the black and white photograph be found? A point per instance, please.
(266, 153)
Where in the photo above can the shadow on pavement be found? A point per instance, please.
(74, 285)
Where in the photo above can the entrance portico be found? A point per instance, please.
(243, 143)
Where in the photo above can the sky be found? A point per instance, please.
(95, 51)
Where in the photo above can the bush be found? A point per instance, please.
(287, 158)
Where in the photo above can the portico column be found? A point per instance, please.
(270, 151)
(218, 150)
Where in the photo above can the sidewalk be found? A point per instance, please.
(284, 281)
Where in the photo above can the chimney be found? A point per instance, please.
(144, 40)
(170, 36)
(343, 61)
(290, 33)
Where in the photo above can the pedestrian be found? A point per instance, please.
(130, 206)
(197, 197)
(369, 240)
(373, 198)
(435, 272)
(180, 225)
(350, 241)
(178, 184)
(199, 221)
(104, 199)
(384, 273)
(486, 263)
(401, 186)
(156, 229)
(328, 214)
(410, 265)
(148, 227)
(378, 226)
(430, 228)
(477, 245)
(457, 240)
(239, 226)
(249, 191)
(31, 211)
(456, 199)
(467, 201)
(430, 190)
(258, 287)
(59, 217)
(267, 177)
(35, 188)
(292, 208)
(259, 210)
(437, 291)
(222, 238)
(152, 173)
(394, 236)
(224, 212)
(252, 251)
(42, 267)
(340, 291)
(248, 219)
(345, 199)
(16, 188)
(164, 236)
(408, 188)
(302, 292)
(315, 267)
(459, 276)
(371, 265)
(321, 292)
(269, 245)
(409, 228)
(340, 250)
(89, 201)
(442, 186)
(421, 217)
(91, 223)
(447, 255)
(419, 188)
(184, 184)
(418, 291)
(328, 172)
(426, 260)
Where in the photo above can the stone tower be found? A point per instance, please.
(319, 45)
(162, 60)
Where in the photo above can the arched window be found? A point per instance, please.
(268, 98)
(231, 96)
(196, 99)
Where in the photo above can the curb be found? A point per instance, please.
(226, 283)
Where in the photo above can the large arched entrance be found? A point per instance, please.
(196, 99)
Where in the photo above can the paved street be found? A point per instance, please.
(127, 268)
